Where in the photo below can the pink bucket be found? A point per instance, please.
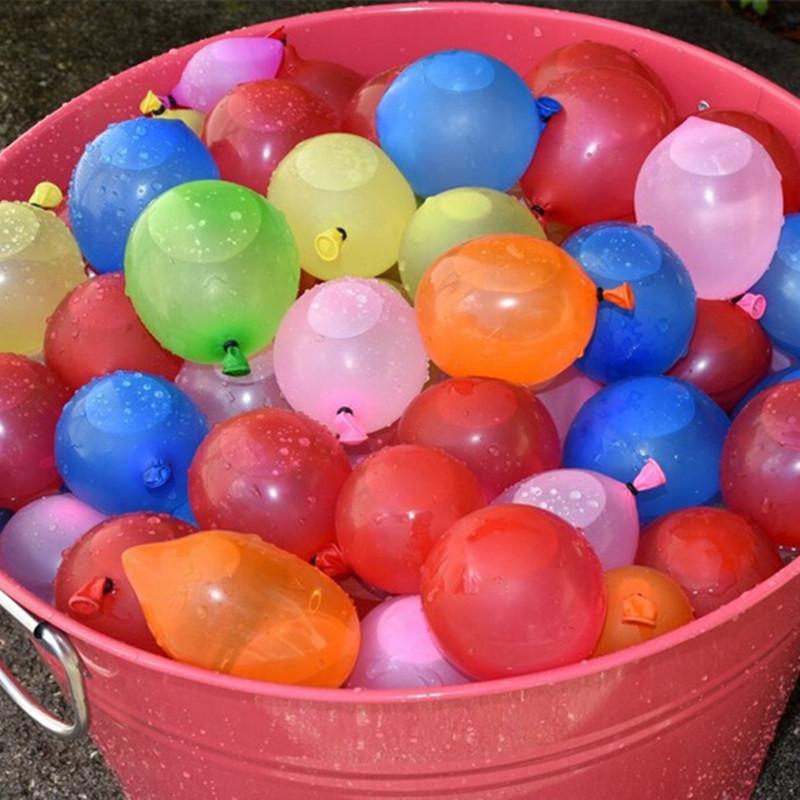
(688, 715)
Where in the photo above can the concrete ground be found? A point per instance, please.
(51, 50)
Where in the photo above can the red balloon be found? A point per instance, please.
(585, 166)
(334, 83)
(395, 506)
(713, 554)
(331, 561)
(499, 430)
(272, 472)
(513, 589)
(359, 115)
(256, 124)
(31, 399)
(773, 141)
(95, 331)
(589, 55)
(91, 585)
(729, 353)
(761, 462)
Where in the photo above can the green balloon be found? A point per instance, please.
(211, 268)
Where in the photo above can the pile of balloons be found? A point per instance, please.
(443, 374)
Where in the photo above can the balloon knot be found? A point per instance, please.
(621, 296)
(754, 305)
(88, 600)
(234, 362)
(639, 610)
(330, 560)
(650, 476)
(348, 430)
(328, 244)
(279, 34)
(46, 195)
(157, 474)
(548, 107)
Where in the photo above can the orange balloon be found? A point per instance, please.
(508, 306)
(233, 603)
(642, 603)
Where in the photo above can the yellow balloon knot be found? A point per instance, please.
(46, 195)
(151, 104)
(328, 244)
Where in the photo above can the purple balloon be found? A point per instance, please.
(220, 397)
(398, 650)
(564, 396)
(32, 542)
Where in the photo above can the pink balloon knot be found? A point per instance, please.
(347, 428)
(330, 560)
(753, 304)
(650, 476)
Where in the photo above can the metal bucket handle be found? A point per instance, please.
(57, 644)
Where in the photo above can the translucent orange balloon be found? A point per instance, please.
(642, 603)
(509, 306)
(232, 603)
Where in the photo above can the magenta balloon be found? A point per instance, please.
(219, 66)
(602, 508)
(712, 193)
(220, 397)
(348, 354)
(564, 396)
(398, 650)
(32, 542)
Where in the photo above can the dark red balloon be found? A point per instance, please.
(761, 462)
(334, 83)
(271, 472)
(499, 430)
(95, 331)
(359, 115)
(256, 124)
(713, 554)
(91, 585)
(31, 399)
(589, 154)
(773, 141)
(513, 589)
(395, 506)
(729, 353)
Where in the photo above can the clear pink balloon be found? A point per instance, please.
(602, 508)
(32, 542)
(348, 354)
(219, 66)
(398, 650)
(564, 396)
(220, 397)
(713, 194)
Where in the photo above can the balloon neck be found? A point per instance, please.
(620, 296)
(639, 610)
(548, 107)
(328, 244)
(650, 476)
(291, 60)
(46, 195)
(279, 34)
(157, 474)
(88, 600)
(754, 305)
(155, 105)
(233, 362)
(348, 430)
(330, 560)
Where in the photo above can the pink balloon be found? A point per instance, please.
(602, 508)
(348, 354)
(32, 542)
(564, 396)
(781, 360)
(220, 397)
(219, 66)
(398, 650)
(712, 193)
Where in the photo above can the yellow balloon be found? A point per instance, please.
(39, 263)
(346, 203)
(454, 217)
(188, 116)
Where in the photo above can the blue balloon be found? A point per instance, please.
(656, 417)
(784, 376)
(460, 118)
(184, 512)
(780, 285)
(651, 337)
(125, 442)
(120, 172)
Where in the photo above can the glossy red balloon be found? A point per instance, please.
(395, 506)
(511, 590)
(499, 430)
(272, 472)
(91, 585)
(31, 399)
(359, 114)
(713, 554)
(773, 141)
(585, 166)
(256, 124)
(729, 353)
(761, 462)
(94, 331)
(334, 83)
